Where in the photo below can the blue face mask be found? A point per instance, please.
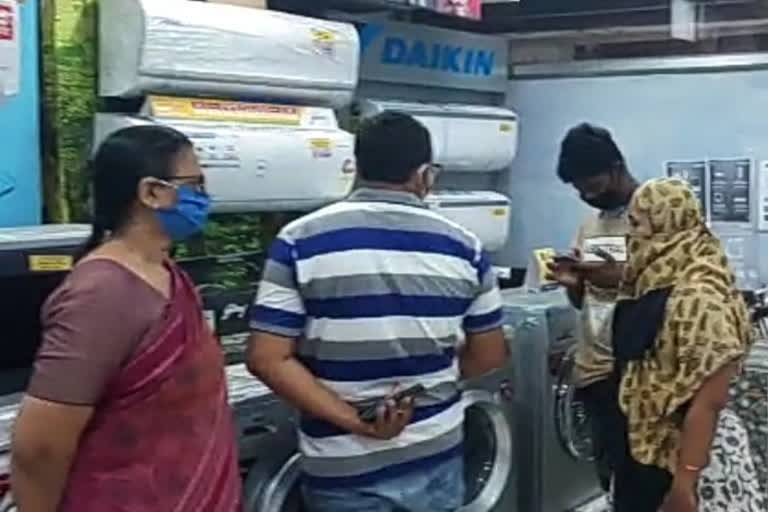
(188, 216)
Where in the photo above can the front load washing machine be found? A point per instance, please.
(554, 449)
(266, 429)
(272, 484)
(489, 447)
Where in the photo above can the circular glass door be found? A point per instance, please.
(572, 422)
(487, 451)
(272, 487)
(275, 491)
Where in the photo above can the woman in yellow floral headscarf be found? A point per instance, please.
(680, 332)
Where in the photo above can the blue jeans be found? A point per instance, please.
(439, 489)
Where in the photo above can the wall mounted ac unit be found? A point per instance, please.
(484, 213)
(197, 48)
(467, 138)
(255, 157)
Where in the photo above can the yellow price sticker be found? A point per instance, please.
(320, 143)
(506, 127)
(321, 148)
(499, 212)
(323, 36)
(50, 262)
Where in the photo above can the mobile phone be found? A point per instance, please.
(565, 258)
(368, 414)
(410, 392)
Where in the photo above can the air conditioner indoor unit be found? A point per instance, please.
(255, 156)
(484, 213)
(180, 47)
(466, 138)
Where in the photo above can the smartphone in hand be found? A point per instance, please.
(565, 259)
(368, 414)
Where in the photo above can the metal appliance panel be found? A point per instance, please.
(545, 328)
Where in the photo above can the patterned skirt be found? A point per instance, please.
(730, 482)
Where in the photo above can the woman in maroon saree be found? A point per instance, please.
(127, 410)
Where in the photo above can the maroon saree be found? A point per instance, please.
(163, 439)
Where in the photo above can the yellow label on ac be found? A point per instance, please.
(321, 35)
(499, 212)
(506, 127)
(320, 143)
(50, 263)
(321, 148)
(201, 109)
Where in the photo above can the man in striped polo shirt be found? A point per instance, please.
(366, 296)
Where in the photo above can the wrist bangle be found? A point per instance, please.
(692, 468)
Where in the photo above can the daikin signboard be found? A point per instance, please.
(422, 55)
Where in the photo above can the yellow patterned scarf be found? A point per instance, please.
(706, 323)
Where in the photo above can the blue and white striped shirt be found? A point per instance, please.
(379, 291)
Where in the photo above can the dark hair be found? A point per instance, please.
(587, 151)
(121, 162)
(390, 146)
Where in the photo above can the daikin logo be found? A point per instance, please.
(397, 50)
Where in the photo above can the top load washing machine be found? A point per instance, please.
(33, 261)
(554, 449)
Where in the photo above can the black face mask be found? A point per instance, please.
(607, 201)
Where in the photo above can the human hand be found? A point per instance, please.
(562, 271)
(392, 419)
(605, 274)
(392, 416)
(682, 496)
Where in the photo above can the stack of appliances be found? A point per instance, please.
(190, 60)
(255, 90)
(455, 130)
(553, 442)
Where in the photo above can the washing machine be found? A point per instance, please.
(554, 452)
(490, 461)
(272, 484)
(268, 448)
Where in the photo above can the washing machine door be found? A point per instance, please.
(272, 483)
(572, 422)
(487, 450)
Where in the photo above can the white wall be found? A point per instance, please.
(653, 118)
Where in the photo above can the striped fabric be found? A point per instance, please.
(379, 291)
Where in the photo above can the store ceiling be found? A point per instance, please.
(527, 16)
(551, 15)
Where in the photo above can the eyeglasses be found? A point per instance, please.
(196, 182)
